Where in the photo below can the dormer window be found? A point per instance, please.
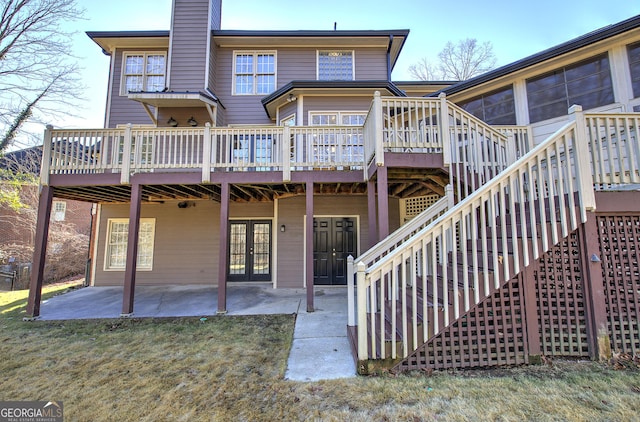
(335, 65)
(143, 72)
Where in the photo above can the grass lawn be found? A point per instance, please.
(232, 368)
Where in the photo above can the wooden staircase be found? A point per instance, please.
(453, 284)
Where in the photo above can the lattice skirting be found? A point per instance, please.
(492, 333)
(619, 238)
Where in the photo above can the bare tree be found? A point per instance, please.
(19, 197)
(457, 61)
(424, 70)
(38, 74)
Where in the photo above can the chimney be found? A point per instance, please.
(191, 25)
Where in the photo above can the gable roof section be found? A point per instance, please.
(393, 40)
(550, 53)
(278, 97)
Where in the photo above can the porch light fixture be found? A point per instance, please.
(282, 228)
(291, 98)
(192, 122)
(172, 122)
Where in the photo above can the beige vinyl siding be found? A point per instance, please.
(240, 109)
(182, 114)
(123, 110)
(288, 110)
(371, 64)
(291, 213)
(292, 64)
(213, 75)
(215, 13)
(296, 64)
(186, 245)
(189, 45)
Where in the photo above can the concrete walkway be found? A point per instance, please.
(320, 348)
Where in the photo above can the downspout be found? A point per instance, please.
(389, 58)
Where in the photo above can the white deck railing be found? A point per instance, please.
(411, 290)
(268, 148)
(614, 148)
(478, 151)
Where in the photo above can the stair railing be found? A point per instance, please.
(410, 294)
(394, 240)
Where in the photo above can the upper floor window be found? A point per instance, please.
(587, 83)
(633, 51)
(254, 72)
(335, 66)
(143, 72)
(496, 108)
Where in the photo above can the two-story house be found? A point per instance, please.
(272, 156)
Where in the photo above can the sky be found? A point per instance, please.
(515, 28)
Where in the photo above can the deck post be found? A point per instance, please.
(222, 255)
(444, 129)
(383, 203)
(583, 161)
(595, 296)
(40, 252)
(351, 316)
(378, 128)
(286, 154)
(45, 168)
(132, 251)
(125, 171)
(309, 245)
(206, 154)
(371, 211)
(363, 353)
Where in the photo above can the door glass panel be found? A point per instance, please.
(238, 248)
(261, 248)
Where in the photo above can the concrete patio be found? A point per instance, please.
(320, 348)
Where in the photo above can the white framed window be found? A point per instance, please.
(336, 65)
(116, 244)
(143, 72)
(289, 120)
(254, 72)
(333, 118)
(59, 210)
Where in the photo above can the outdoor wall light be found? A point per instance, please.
(172, 122)
(282, 228)
(192, 121)
(186, 204)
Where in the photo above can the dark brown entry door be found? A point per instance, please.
(249, 251)
(334, 239)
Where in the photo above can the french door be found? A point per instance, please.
(334, 239)
(249, 250)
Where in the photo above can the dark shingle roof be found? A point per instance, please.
(550, 53)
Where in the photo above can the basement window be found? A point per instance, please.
(116, 244)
